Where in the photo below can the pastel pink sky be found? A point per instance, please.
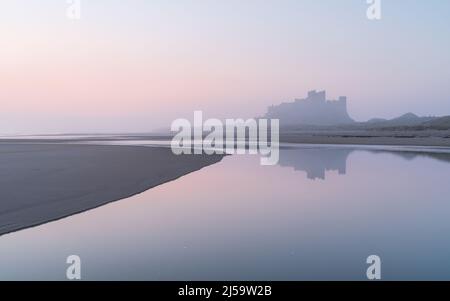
(138, 65)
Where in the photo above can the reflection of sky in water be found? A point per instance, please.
(238, 220)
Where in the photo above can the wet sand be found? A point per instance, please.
(45, 182)
(441, 139)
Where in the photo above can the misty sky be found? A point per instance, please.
(137, 65)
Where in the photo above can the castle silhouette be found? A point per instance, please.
(315, 109)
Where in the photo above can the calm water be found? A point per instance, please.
(316, 216)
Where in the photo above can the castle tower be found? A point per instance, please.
(317, 96)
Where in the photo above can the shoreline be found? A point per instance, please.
(41, 183)
(300, 138)
(366, 140)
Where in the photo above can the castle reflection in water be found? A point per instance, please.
(316, 161)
